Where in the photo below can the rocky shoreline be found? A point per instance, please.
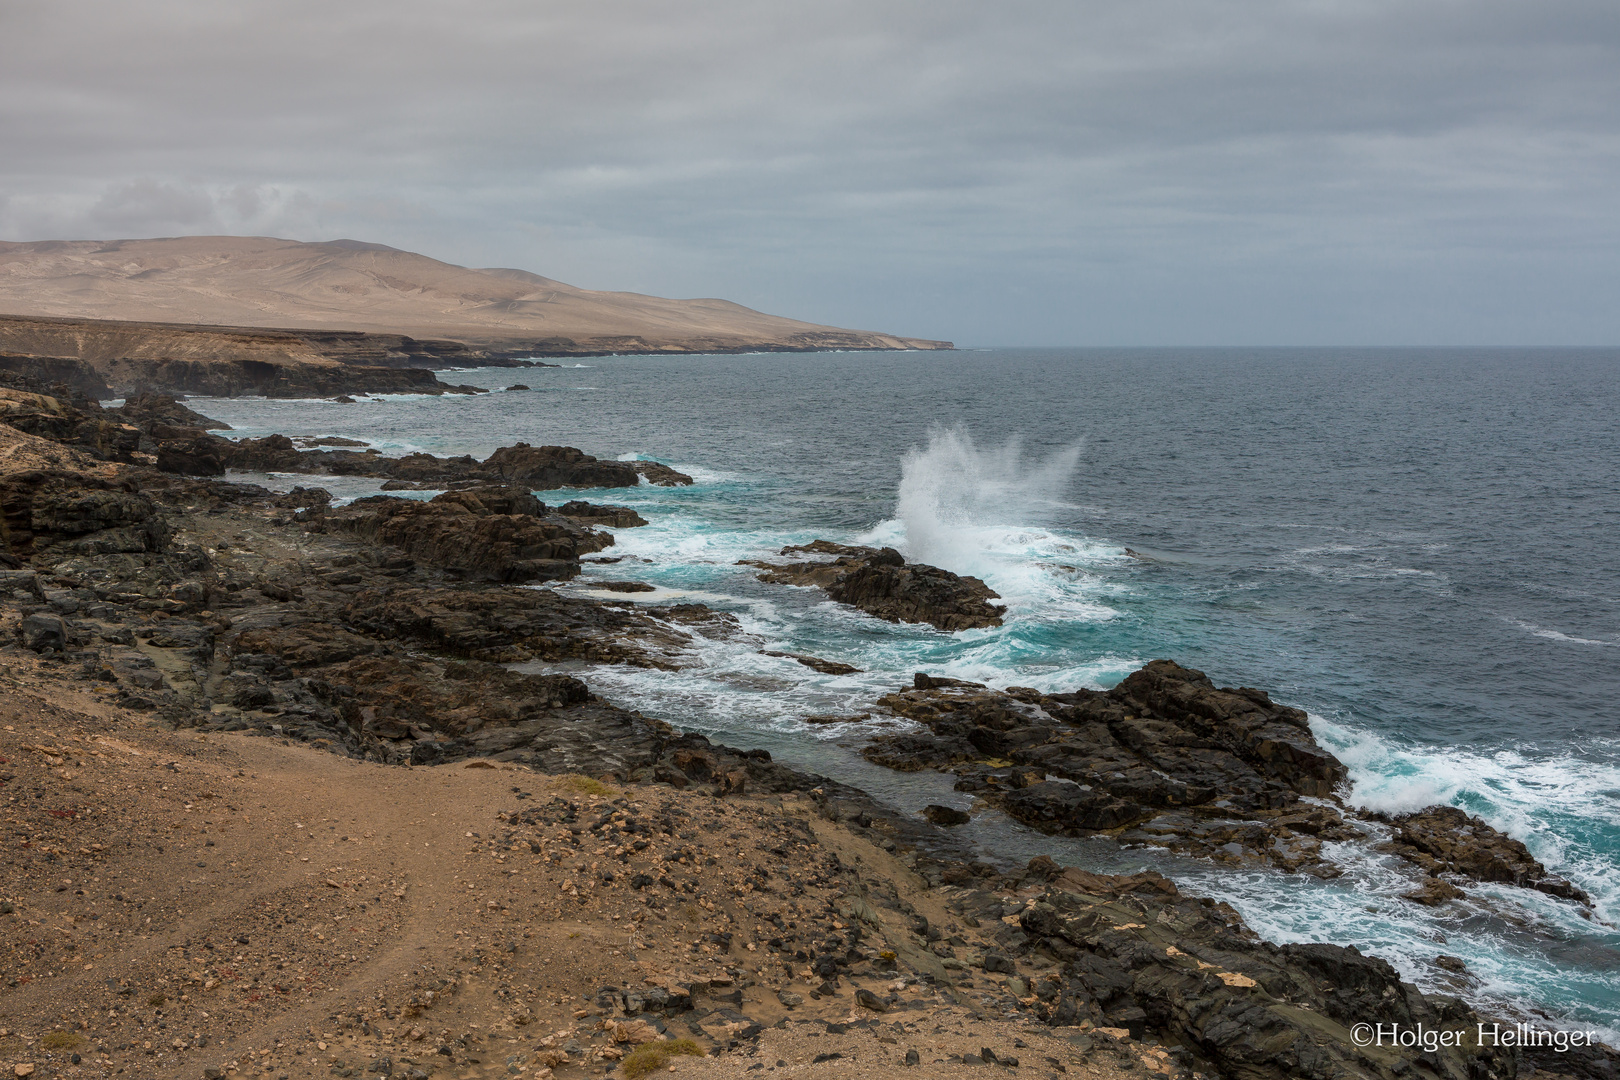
(115, 358)
(380, 632)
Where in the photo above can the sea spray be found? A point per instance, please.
(956, 501)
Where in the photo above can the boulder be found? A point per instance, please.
(618, 517)
(1434, 892)
(40, 632)
(880, 582)
(946, 815)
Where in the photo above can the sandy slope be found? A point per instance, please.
(348, 285)
(175, 902)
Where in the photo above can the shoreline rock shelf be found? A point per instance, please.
(1167, 759)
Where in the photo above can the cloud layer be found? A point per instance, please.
(1033, 171)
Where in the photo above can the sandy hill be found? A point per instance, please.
(238, 281)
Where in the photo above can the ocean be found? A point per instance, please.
(1421, 548)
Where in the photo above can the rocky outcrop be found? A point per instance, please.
(550, 467)
(518, 625)
(880, 582)
(50, 515)
(536, 467)
(64, 416)
(613, 517)
(154, 408)
(1139, 956)
(1165, 758)
(488, 533)
(1444, 839)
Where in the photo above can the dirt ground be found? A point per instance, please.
(178, 904)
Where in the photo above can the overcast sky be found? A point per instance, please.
(1016, 172)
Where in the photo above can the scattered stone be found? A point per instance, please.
(946, 815)
(868, 1000)
(1434, 892)
(826, 667)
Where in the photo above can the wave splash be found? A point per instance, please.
(961, 504)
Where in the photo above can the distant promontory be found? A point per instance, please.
(229, 314)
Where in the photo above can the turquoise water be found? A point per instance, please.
(1418, 547)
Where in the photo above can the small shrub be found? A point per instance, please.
(60, 1040)
(585, 785)
(650, 1057)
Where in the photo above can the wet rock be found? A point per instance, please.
(536, 467)
(1434, 892)
(946, 815)
(1444, 838)
(880, 582)
(1139, 955)
(816, 663)
(618, 517)
(660, 475)
(549, 467)
(1164, 759)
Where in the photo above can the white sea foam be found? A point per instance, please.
(956, 500)
(1559, 805)
(1555, 635)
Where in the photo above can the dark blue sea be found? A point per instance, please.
(1419, 547)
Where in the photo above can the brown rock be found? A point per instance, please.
(880, 582)
(1434, 892)
(1445, 838)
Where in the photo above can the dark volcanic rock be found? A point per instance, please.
(618, 517)
(536, 467)
(946, 815)
(880, 582)
(63, 513)
(1166, 756)
(492, 533)
(1434, 892)
(146, 408)
(515, 625)
(1139, 954)
(549, 467)
(1446, 839)
(816, 663)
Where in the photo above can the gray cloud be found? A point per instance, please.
(1032, 171)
